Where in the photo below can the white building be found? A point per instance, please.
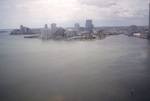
(76, 26)
(137, 34)
(71, 33)
(46, 33)
(53, 27)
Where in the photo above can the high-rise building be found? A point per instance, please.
(149, 22)
(25, 30)
(45, 26)
(22, 29)
(53, 27)
(76, 26)
(89, 26)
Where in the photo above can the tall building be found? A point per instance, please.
(76, 26)
(22, 29)
(149, 22)
(89, 26)
(45, 26)
(53, 27)
(25, 30)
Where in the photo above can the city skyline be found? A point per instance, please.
(65, 13)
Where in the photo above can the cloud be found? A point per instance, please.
(118, 8)
(48, 10)
(6, 6)
(36, 13)
(99, 3)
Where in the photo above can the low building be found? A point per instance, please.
(71, 33)
(16, 32)
(35, 30)
(59, 32)
(137, 34)
(133, 29)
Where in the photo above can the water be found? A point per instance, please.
(48, 70)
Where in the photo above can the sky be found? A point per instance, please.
(65, 13)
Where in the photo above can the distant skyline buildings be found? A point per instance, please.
(60, 32)
(24, 30)
(89, 25)
(45, 26)
(53, 27)
(133, 29)
(76, 26)
(21, 28)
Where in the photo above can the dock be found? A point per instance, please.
(33, 36)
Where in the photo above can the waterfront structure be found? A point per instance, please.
(46, 33)
(36, 30)
(71, 33)
(133, 29)
(76, 26)
(89, 26)
(59, 32)
(16, 32)
(25, 30)
(53, 27)
(137, 34)
(22, 30)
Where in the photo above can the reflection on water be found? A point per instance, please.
(102, 70)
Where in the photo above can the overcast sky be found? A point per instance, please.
(65, 13)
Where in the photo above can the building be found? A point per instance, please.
(25, 30)
(81, 28)
(53, 27)
(89, 26)
(16, 32)
(45, 26)
(137, 34)
(59, 32)
(133, 29)
(36, 30)
(21, 29)
(71, 33)
(46, 33)
(76, 26)
(148, 36)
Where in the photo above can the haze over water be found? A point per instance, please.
(48, 70)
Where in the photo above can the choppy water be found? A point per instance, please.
(47, 70)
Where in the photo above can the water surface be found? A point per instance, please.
(48, 70)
